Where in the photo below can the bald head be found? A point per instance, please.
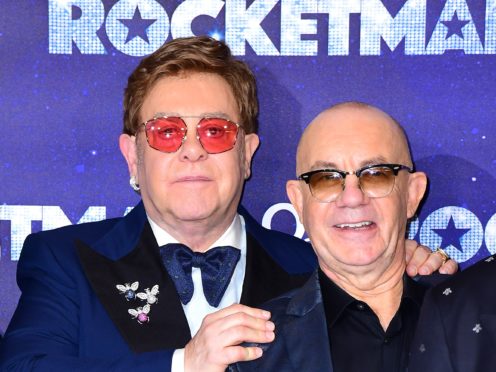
(352, 132)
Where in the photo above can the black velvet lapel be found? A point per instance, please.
(264, 278)
(167, 327)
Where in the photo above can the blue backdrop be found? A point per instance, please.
(64, 65)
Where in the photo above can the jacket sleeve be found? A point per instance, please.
(44, 332)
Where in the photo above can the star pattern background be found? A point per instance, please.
(137, 26)
(455, 26)
(451, 235)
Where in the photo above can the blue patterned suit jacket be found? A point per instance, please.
(456, 331)
(71, 317)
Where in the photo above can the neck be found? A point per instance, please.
(381, 291)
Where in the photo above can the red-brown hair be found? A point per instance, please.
(192, 54)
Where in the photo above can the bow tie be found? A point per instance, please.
(217, 266)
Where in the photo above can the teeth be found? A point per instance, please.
(354, 225)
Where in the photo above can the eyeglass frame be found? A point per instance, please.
(201, 117)
(396, 168)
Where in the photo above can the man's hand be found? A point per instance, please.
(216, 345)
(422, 261)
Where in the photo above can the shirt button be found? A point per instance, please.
(360, 306)
(386, 340)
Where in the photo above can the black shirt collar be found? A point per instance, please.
(336, 300)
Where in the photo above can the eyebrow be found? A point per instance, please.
(165, 113)
(322, 164)
(215, 114)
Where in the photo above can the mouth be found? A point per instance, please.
(193, 179)
(355, 226)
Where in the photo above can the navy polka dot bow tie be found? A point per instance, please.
(217, 266)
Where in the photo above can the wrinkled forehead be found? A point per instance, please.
(348, 138)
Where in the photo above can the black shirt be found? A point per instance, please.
(357, 339)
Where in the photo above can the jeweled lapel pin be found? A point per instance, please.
(140, 314)
(149, 295)
(128, 290)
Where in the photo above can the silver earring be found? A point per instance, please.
(134, 185)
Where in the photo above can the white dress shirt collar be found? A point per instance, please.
(233, 236)
(198, 307)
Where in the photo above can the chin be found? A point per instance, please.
(194, 213)
(362, 258)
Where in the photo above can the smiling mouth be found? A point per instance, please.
(357, 225)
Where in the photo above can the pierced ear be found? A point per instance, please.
(417, 184)
(251, 144)
(295, 195)
(128, 147)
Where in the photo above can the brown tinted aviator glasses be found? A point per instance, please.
(375, 181)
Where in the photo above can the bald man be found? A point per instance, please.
(355, 191)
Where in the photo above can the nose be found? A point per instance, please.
(351, 196)
(191, 149)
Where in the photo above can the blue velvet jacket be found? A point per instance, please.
(71, 317)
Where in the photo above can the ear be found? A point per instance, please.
(251, 144)
(295, 195)
(127, 144)
(417, 184)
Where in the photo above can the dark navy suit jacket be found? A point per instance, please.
(71, 317)
(301, 342)
(457, 325)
